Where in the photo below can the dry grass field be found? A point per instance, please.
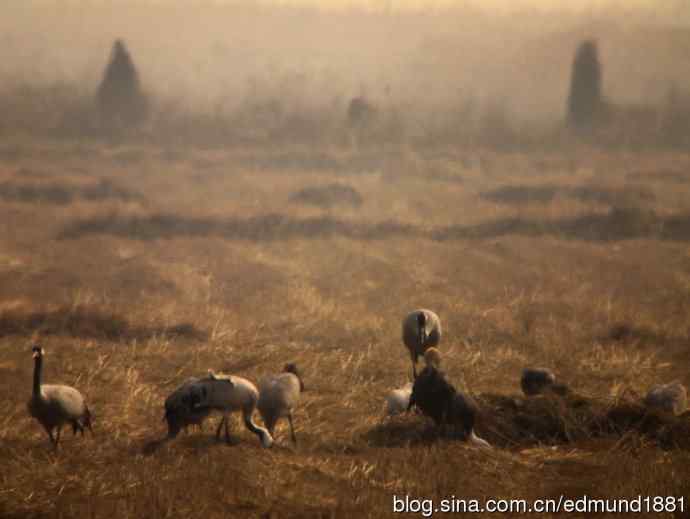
(140, 266)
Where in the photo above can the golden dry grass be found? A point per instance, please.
(200, 259)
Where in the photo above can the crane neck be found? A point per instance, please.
(38, 367)
(263, 434)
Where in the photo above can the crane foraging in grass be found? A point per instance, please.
(278, 395)
(536, 381)
(182, 407)
(421, 330)
(56, 405)
(670, 398)
(221, 393)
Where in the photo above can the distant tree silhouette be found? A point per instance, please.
(121, 102)
(585, 101)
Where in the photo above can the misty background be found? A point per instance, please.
(261, 69)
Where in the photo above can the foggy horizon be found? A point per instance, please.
(213, 57)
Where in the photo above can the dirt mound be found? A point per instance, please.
(519, 422)
(516, 422)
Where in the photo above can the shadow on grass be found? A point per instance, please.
(542, 194)
(616, 224)
(406, 430)
(663, 175)
(328, 196)
(194, 439)
(624, 332)
(24, 515)
(150, 447)
(64, 193)
(260, 228)
(90, 323)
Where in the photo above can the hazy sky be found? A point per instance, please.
(665, 11)
(655, 5)
(380, 4)
(679, 10)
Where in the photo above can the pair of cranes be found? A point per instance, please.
(431, 392)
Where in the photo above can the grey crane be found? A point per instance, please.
(421, 330)
(56, 405)
(278, 396)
